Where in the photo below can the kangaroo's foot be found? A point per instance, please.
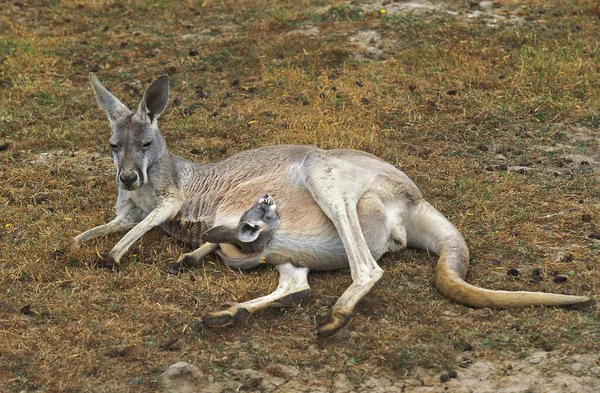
(234, 315)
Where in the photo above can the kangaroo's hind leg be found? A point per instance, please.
(293, 287)
(337, 190)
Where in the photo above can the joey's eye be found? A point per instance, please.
(146, 145)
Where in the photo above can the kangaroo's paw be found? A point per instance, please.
(174, 268)
(333, 324)
(106, 261)
(234, 315)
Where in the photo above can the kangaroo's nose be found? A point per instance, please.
(128, 179)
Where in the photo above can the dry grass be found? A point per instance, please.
(440, 98)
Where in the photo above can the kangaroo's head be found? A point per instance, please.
(136, 143)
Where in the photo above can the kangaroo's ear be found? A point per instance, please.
(155, 99)
(220, 234)
(111, 104)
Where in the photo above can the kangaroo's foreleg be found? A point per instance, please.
(124, 221)
(166, 210)
(293, 287)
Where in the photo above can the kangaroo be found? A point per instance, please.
(337, 208)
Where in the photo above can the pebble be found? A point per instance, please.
(560, 279)
(513, 272)
(586, 217)
(444, 378)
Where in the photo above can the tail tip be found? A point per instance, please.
(585, 303)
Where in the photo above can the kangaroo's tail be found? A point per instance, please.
(428, 229)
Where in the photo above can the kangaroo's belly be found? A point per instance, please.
(324, 253)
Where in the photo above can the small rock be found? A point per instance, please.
(451, 92)
(444, 378)
(536, 275)
(547, 347)
(513, 272)
(586, 217)
(564, 257)
(359, 84)
(452, 374)
(594, 236)
(468, 347)
(169, 343)
(486, 5)
(341, 384)
(182, 377)
(26, 310)
(560, 279)
(193, 53)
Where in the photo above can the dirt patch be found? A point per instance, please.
(541, 371)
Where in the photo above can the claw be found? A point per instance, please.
(174, 268)
(108, 262)
(334, 323)
(230, 317)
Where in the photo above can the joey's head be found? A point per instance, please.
(136, 143)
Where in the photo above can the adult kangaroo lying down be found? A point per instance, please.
(337, 209)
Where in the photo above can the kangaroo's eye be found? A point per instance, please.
(114, 147)
(146, 145)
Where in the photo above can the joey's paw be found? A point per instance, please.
(230, 317)
(332, 325)
(266, 199)
(188, 260)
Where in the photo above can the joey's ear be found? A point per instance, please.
(220, 234)
(248, 233)
(111, 104)
(155, 99)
